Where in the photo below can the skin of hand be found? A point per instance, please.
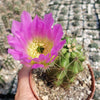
(24, 91)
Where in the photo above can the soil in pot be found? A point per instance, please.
(79, 90)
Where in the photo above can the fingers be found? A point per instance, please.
(23, 90)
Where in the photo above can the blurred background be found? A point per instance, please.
(79, 19)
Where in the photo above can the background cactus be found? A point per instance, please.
(67, 65)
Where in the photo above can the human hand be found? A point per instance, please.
(24, 91)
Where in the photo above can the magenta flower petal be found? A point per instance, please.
(15, 54)
(56, 48)
(57, 33)
(35, 66)
(35, 43)
(16, 28)
(26, 19)
(48, 19)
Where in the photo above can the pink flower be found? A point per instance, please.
(34, 43)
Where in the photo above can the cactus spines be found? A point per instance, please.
(68, 64)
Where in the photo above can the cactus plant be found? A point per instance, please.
(75, 33)
(5, 21)
(76, 17)
(2, 82)
(67, 65)
(93, 45)
(1, 29)
(75, 23)
(76, 11)
(88, 17)
(9, 63)
(91, 24)
(10, 15)
(63, 11)
(9, 6)
(95, 58)
(22, 1)
(16, 10)
(28, 6)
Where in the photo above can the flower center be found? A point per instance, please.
(40, 49)
(39, 46)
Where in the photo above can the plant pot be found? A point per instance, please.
(90, 96)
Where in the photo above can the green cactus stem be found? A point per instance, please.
(68, 64)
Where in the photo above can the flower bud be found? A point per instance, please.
(68, 45)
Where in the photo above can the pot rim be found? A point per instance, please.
(93, 83)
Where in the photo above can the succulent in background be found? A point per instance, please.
(75, 23)
(10, 15)
(2, 82)
(75, 6)
(98, 1)
(1, 29)
(97, 74)
(56, 2)
(88, 17)
(9, 6)
(9, 63)
(88, 1)
(92, 33)
(5, 21)
(16, 10)
(28, 6)
(65, 3)
(2, 10)
(68, 64)
(91, 24)
(2, 48)
(63, 11)
(93, 45)
(95, 58)
(76, 17)
(22, 1)
(1, 64)
(61, 18)
(76, 11)
(75, 33)
(77, 2)
(17, 3)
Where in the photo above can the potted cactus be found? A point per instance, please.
(56, 61)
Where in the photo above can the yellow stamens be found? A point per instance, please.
(39, 46)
